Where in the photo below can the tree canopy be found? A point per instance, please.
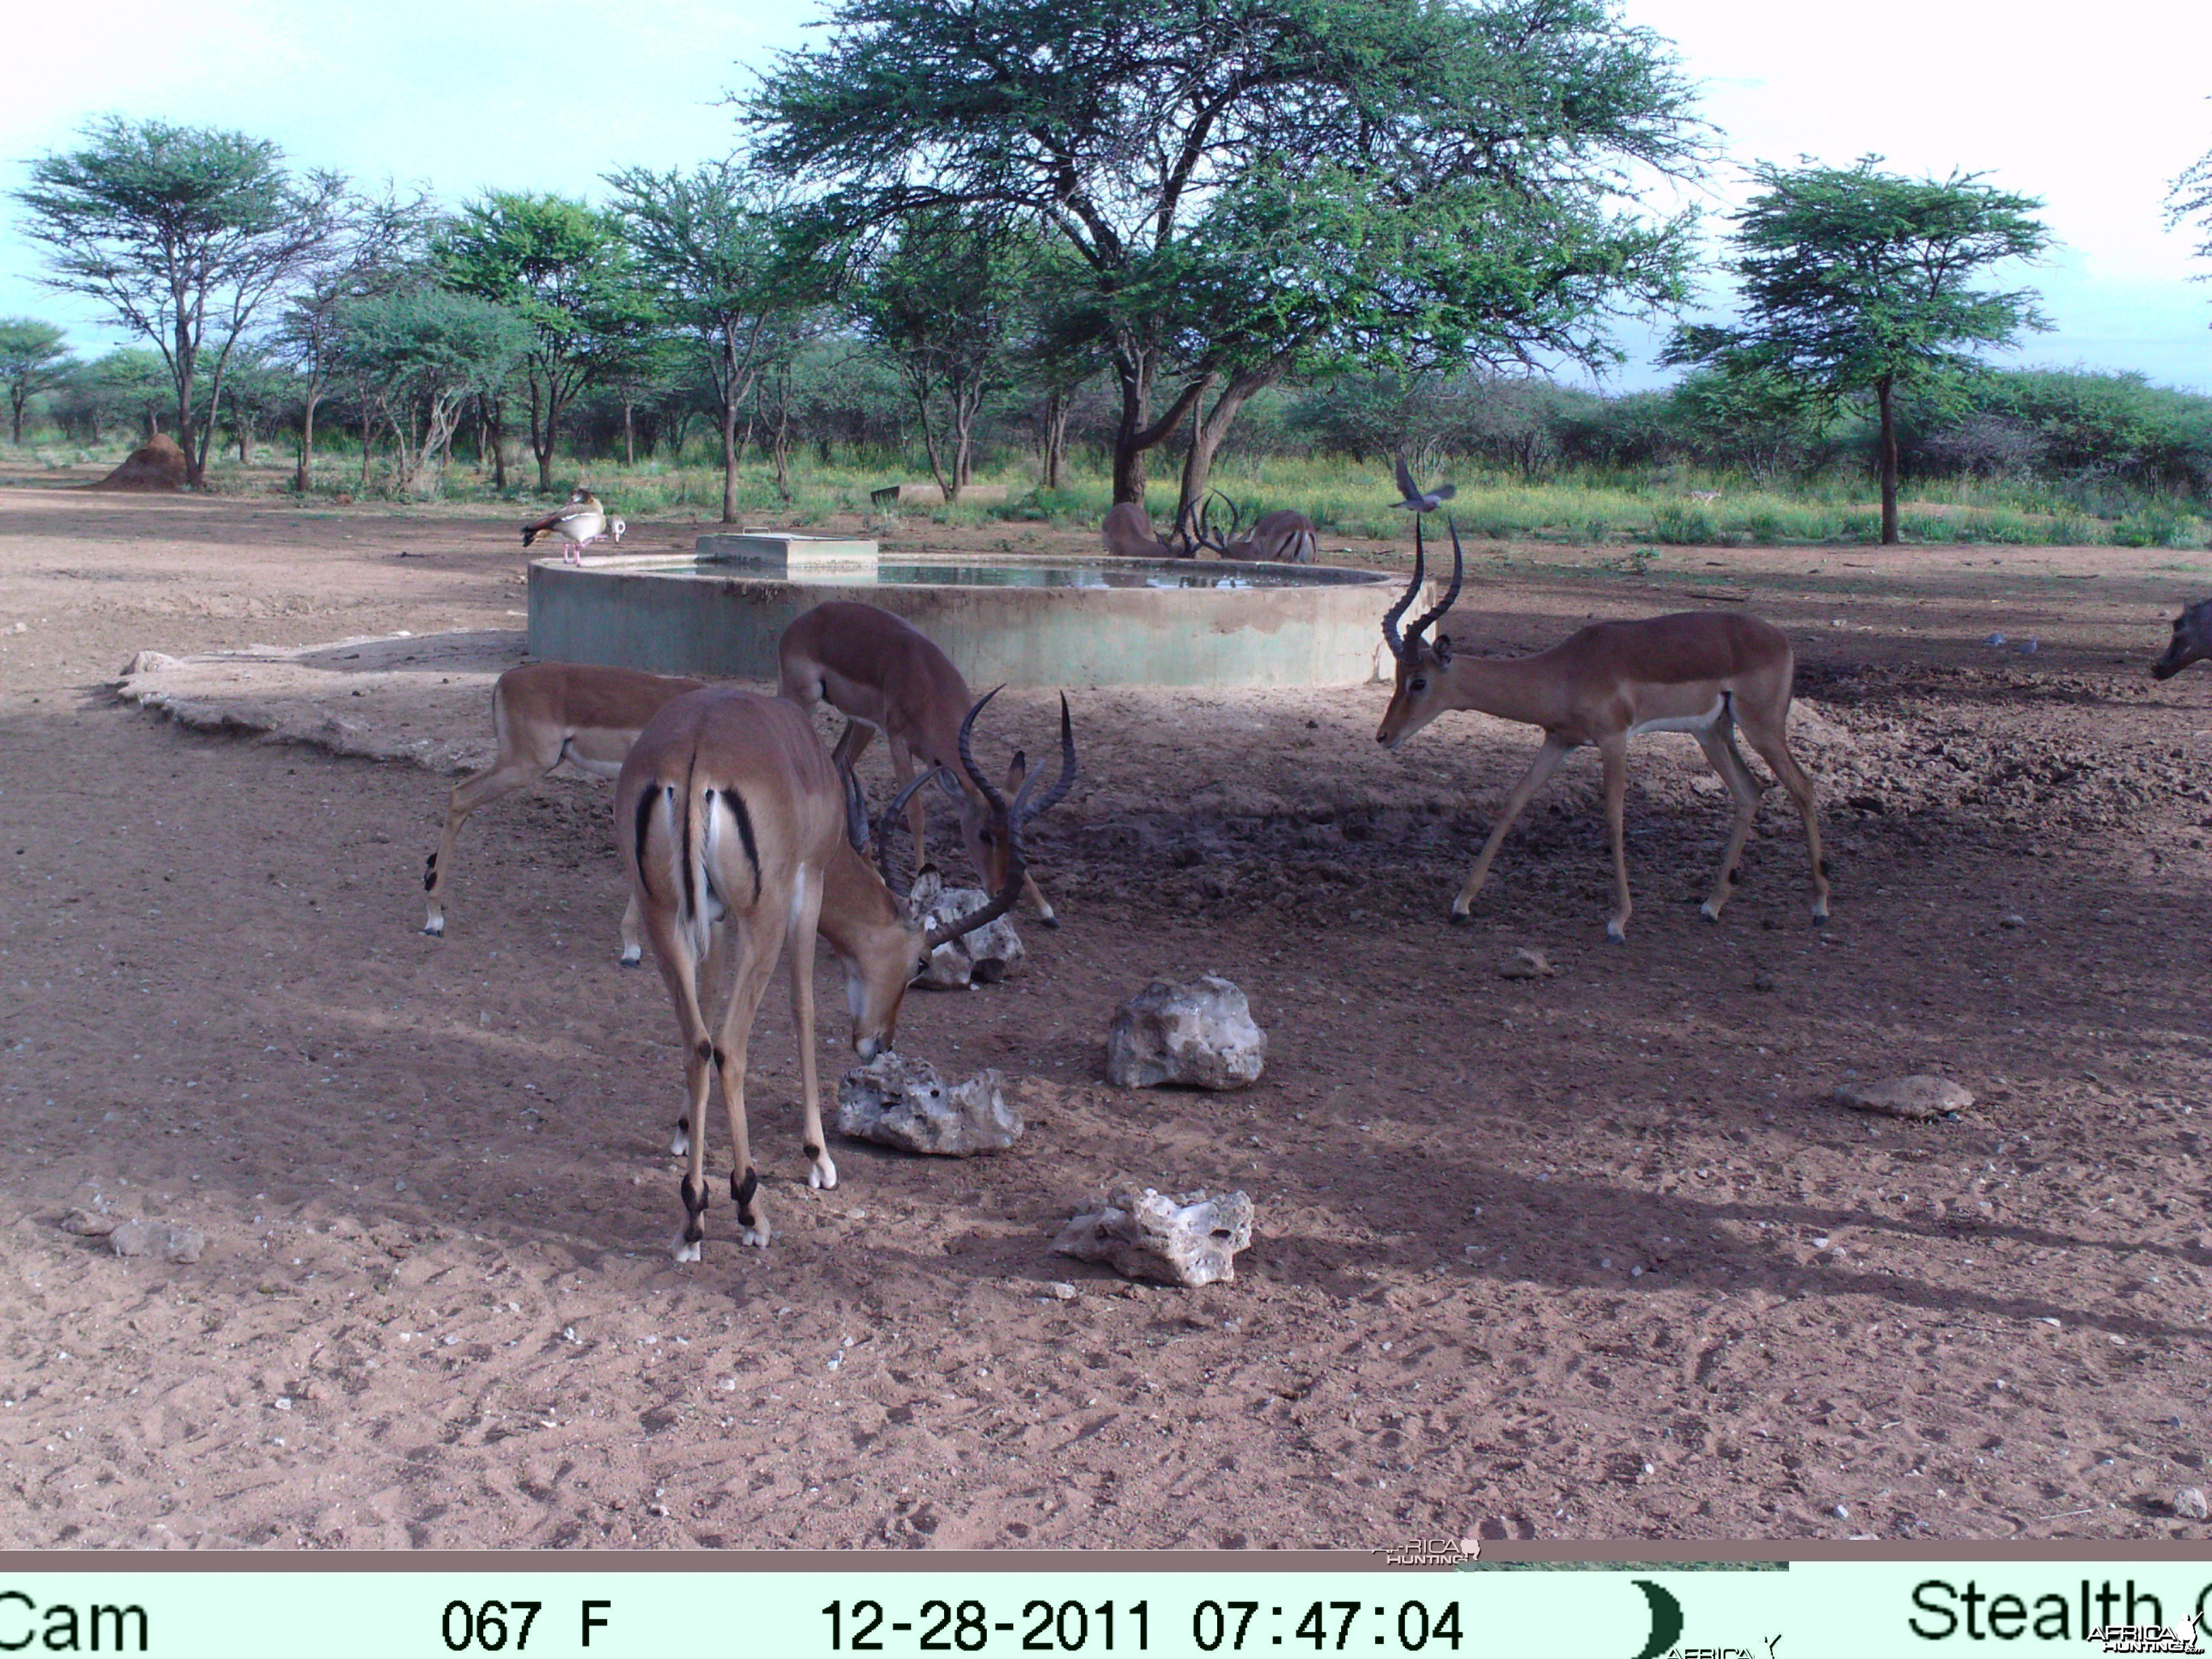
(178, 231)
(1856, 281)
(1262, 187)
(562, 266)
(33, 359)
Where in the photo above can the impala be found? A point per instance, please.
(1699, 672)
(1283, 536)
(883, 674)
(739, 831)
(546, 713)
(1129, 535)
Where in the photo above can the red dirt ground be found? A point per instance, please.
(1584, 1257)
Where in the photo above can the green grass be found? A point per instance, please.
(1346, 501)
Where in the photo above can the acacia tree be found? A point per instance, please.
(1857, 281)
(2191, 198)
(561, 265)
(941, 303)
(1259, 188)
(184, 234)
(377, 246)
(421, 354)
(709, 242)
(33, 359)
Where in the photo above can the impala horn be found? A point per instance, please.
(1390, 634)
(883, 825)
(1012, 816)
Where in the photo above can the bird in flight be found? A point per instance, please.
(1416, 500)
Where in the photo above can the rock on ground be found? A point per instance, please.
(1527, 962)
(904, 1103)
(1191, 1240)
(1921, 1097)
(993, 952)
(1201, 1034)
(162, 1238)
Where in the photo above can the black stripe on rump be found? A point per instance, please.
(644, 814)
(737, 804)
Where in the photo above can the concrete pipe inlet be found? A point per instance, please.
(1034, 622)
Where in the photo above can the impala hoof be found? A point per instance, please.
(1459, 917)
(688, 1249)
(631, 957)
(435, 927)
(1614, 935)
(1819, 918)
(1047, 920)
(1709, 911)
(756, 1236)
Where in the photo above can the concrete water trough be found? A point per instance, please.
(1060, 621)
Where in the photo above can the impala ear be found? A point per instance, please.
(1443, 650)
(1017, 772)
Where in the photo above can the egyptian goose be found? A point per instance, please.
(580, 524)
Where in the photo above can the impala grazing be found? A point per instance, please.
(1283, 536)
(546, 713)
(1699, 672)
(883, 674)
(740, 832)
(1129, 535)
(2192, 641)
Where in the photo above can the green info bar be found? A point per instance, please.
(734, 1605)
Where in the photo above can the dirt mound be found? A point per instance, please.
(157, 463)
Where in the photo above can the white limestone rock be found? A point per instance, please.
(1201, 1034)
(165, 1239)
(993, 952)
(1921, 1097)
(903, 1102)
(1191, 1240)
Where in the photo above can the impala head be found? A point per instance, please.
(1420, 697)
(2192, 641)
(898, 944)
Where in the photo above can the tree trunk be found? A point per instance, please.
(543, 417)
(1132, 438)
(1054, 436)
(629, 435)
(495, 421)
(730, 457)
(304, 476)
(16, 399)
(1881, 391)
(948, 488)
(368, 428)
(1208, 430)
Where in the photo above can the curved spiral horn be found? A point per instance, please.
(1405, 600)
(1459, 566)
(884, 827)
(1012, 818)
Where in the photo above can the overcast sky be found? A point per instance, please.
(2094, 110)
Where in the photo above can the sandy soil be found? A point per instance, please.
(1584, 1257)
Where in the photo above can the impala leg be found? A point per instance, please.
(509, 773)
(755, 962)
(680, 973)
(1720, 749)
(821, 1171)
(1614, 752)
(1768, 738)
(852, 742)
(1539, 771)
(917, 811)
(633, 947)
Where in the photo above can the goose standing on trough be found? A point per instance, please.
(579, 523)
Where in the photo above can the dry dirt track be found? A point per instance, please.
(1586, 1256)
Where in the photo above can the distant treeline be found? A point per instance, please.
(2075, 429)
